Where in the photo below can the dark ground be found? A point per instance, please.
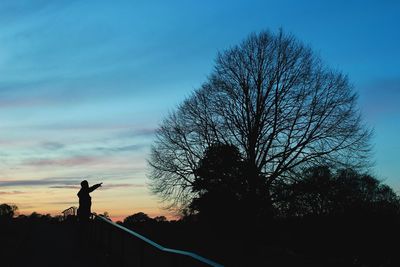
(322, 242)
(26, 243)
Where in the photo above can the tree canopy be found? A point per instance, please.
(274, 100)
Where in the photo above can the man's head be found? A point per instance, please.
(84, 184)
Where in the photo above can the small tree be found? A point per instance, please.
(220, 184)
(136, 218)
(321, 192)
(7, 211)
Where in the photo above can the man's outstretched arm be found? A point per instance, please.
(94, 187)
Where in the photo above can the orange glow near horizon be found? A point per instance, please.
(51, 186)
(118, 202)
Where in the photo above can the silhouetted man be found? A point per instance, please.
(85, 201)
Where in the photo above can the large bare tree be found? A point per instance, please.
(272, 98)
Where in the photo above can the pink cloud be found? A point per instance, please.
(65, 186)
(109, 186)
(104, 187)
(11, 192)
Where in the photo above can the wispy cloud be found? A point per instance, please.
(104, 187)
(139, 132)
(59, 183)
(128, 148)
(23, 103)
(52, 145)
(63, 202)
(11, 192)
(65, 186)
(109, 186)
(41, 182)
(71, 161)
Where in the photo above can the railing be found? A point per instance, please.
(129, 248)
(71, 211)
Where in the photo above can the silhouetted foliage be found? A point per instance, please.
(321, 192)
(7, 211)
(221, 184)
(35, 215)
(277, 103)
(139, 217)
(160, 219)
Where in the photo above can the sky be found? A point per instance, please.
(84, 84)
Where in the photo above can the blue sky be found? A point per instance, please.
(83, 84)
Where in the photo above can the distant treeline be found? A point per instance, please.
(326, 217)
